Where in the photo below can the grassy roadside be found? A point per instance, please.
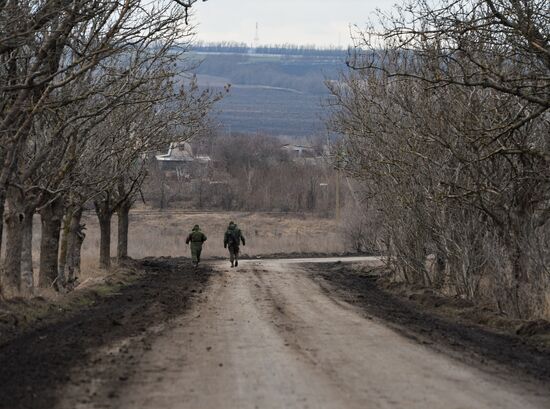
(471, 333)
(91, 340)
(534, 332)
(23, 314)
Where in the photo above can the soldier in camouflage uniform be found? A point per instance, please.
(196, 238)
(232, 240)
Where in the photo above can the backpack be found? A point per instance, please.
(234, 236)
(197, 237)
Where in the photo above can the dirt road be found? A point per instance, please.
(266, 335)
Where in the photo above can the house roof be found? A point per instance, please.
(181, 153)
(296, 147)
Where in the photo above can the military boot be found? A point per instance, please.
(236, 263)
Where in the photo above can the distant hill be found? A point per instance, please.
(275, 90)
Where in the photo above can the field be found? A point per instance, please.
(258, 109)
(156, 233)
(270, 94)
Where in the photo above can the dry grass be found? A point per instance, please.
(163, 234)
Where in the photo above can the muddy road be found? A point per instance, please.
(269, 334)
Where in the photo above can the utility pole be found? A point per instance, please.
(338, 195)
(256, 41)
(257, 36)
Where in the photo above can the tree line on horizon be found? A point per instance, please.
(283, 49)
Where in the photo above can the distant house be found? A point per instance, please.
(299, 150)
(181, 161)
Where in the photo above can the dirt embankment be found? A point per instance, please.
(469, 333)
(38, 359)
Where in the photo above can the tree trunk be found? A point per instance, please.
(2, 204)
(51, 216)
(162, 204)
(76, 254)
(63, 246)
(104, 215)
(75, 238)
(27, 272)
(105, 241)
(440, 265)
(11, 274)
(520, 263)
(123, 225)
(515, 239)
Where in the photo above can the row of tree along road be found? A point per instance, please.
(444, 117)
(445, 112)
(88, 90)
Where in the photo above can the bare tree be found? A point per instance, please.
(446, 126)
(65, 68)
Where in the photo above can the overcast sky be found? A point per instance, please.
(319, 22)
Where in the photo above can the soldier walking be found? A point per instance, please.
(232, 240)
(196, 238)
